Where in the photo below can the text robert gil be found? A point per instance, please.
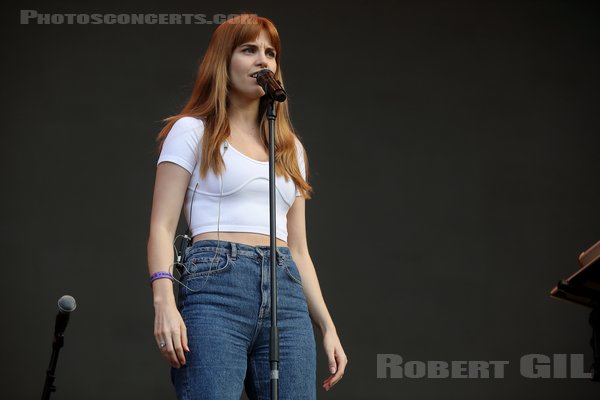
(530, 366)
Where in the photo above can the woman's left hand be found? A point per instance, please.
(336, 358)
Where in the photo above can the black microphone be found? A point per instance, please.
(66, 304)
(272, 87)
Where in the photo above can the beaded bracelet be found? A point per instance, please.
(160, 275)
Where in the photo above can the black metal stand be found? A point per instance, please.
(274, 341)
(66, 304)
(49, 384)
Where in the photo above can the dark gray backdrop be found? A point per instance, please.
(453, 150)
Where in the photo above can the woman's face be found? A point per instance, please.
(246, 60)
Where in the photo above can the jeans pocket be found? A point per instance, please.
(291, 270)
(206, 263)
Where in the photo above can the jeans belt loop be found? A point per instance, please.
(233, 251)
(260, 253)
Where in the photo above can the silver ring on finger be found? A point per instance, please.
(162, 345)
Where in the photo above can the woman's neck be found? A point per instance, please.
(243, 116)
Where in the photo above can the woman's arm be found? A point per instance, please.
(299, 249)
(169, 193)
(296, 225)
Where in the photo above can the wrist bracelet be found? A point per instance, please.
(160, 275)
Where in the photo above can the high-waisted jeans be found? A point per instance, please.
(226, 306)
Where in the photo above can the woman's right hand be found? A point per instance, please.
(170, 330)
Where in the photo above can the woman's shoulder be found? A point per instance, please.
(181, 144)
(188, 124)
(186, 130)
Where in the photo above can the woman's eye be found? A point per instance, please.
(248, 49)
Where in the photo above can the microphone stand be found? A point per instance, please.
(274, 339)
(66, 305)
(274, 92)
(49, 383)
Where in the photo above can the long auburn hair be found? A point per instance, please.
(209, 101)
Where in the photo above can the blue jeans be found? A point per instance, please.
(226, 306)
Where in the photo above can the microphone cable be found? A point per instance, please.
(187, 237)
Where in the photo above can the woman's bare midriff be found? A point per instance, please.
(252, 239)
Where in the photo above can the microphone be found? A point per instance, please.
(272, 87)
(66, 304)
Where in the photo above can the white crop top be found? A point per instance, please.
(245, 200)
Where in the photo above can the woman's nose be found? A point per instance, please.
(261, 59)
